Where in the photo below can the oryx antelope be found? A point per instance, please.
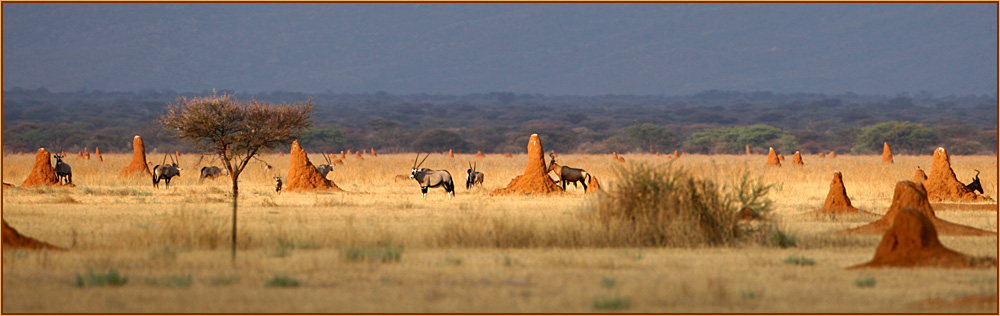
(63, 171)
(165, 172)
(325, 168)
(277, 185)
(473, 177)
(211, 173)
(975, 186)
(431, 178)
(568, 174)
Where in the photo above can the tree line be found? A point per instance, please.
(710, 122)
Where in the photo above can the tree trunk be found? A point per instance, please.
(236, 195)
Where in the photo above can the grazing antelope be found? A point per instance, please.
(63, 171)
(165, 172)
(325, 168)
(473, 177)
(277, 185)
(431, 178)
(568, 174)
(975, 186)
(211, 173)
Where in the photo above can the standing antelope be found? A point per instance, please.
(975, 186)
(165, 172)
(473, 177)
(325, 168)
(277, 185)
(63, 171)
(211, 173)
(568, 174)
(431, 178)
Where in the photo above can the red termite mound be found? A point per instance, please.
(676, 153)
(14, 239)
(535, 179)
(837, 202)
(373, 152)
(772, 158)
(86, 153)
(42, 173)
(919, 175)
(821, 155)
(833, 154)
(912, 241)
(748, 149)
(302, 174)
(343, 155)
(886, 153)
(797, 159)
(943, 185)
(479, 154)
(358, 156)
(138, 165)
(97, 152)
(508, 155)
(912, 194)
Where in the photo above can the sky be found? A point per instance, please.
(552, 49)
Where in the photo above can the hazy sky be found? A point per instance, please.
(582, 49)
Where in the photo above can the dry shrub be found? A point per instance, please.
(666, 206)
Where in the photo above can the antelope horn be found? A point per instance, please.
(474, 167)
(422, 161)
(164, 160)
(327, 157)
(977, 173)
(415, 161)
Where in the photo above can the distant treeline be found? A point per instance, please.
(499, 122)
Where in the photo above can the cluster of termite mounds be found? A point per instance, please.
(535, 179)
(138, 165)
(302, 174)
(910, 234)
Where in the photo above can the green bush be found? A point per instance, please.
(802, 261)
(666, 206)
(111, 278)
(373, 254)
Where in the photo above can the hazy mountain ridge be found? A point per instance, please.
(583, 49)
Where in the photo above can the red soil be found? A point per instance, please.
(42, 173)
(535, 179)
(302, 174)
(772, 158)
(837, 202)
(913, 195)
(14, 239)
(912, 241)
(886, 153)
(942, 185)
(138, 165)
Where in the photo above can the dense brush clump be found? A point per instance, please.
(666, 206)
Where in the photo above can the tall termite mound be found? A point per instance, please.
(302, 174)
(479, 154)
(451, 154)
(886, 153)
(943, 185)
(97, 152)
(837, 202)
(535, 179)
(832, 154)
(748, 149)
(772, 158)
(797, 159)
(86, 153)
(138, 165)
(912, 194)
(13, 239)
(912, 241)
(42, 173)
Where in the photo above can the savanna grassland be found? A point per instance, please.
(380, 248)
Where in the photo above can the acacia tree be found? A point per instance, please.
(235, 131)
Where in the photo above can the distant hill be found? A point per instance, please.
(553, 49)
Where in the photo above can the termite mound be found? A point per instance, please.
(535, 179)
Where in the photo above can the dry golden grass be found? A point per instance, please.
(476, 253)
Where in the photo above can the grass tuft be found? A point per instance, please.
(372, 254)
(802, 261)
(282, 281)
(111, 278)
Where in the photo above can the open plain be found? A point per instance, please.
(379, 248)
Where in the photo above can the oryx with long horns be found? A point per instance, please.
(473, 177)
(325, 168)
(431, 178)
(165, 171)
